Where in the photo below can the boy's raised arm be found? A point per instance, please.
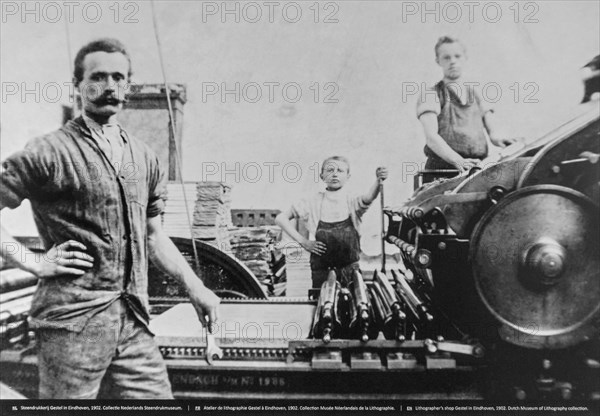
(381, 174)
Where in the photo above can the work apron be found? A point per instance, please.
(342, 254)
(460, 125)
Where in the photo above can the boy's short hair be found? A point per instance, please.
(448, 39)
(338, 158)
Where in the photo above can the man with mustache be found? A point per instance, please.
(454, 115)
(96, 195)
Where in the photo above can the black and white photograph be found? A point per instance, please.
(311, 206)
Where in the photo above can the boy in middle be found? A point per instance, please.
(333, 217)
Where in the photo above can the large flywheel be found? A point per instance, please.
(220, 272)
(536, 267)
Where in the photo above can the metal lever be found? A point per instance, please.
(454, 347)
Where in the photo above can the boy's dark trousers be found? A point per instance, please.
(342, 254)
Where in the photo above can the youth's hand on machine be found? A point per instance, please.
(316, 247)
(381, 173)
(68, 258)
(465, 165)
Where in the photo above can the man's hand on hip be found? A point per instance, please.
(68, 258)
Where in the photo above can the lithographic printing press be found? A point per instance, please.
(496, 294)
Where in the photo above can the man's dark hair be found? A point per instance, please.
(108, 45)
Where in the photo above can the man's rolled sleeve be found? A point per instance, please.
(21, 175)
(157, 196)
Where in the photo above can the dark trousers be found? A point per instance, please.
(343, 252)
(114, 356)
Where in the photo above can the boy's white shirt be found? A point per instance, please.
(330, 206)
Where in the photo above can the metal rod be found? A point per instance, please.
(172, 125)
(382, 227)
